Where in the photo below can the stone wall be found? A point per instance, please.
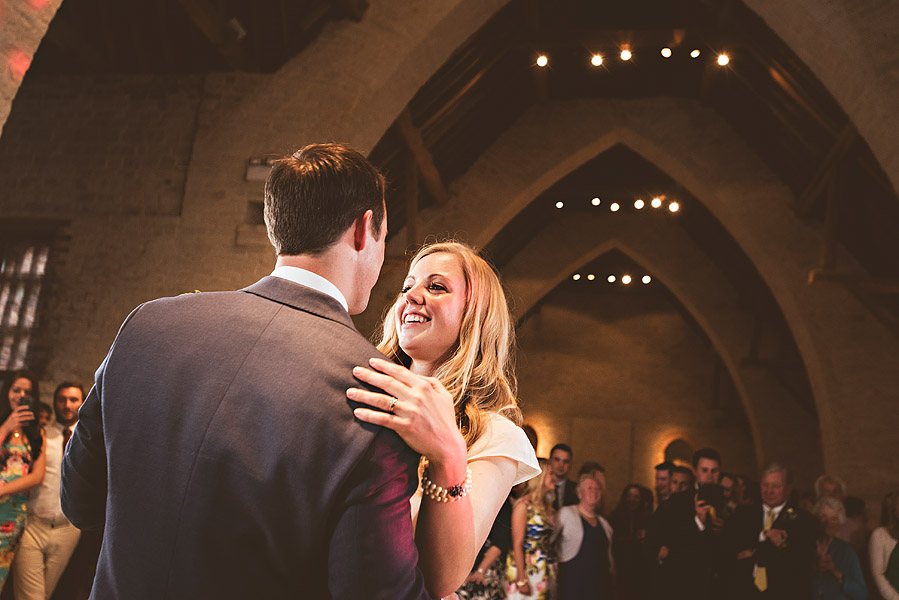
(618, 376)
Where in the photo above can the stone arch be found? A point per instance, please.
(669, 254)
(22, 27)
(845, 351)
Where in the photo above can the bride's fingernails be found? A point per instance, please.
(357, 370)
(351, 392)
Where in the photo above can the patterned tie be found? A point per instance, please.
(66, 436)
(761, 573)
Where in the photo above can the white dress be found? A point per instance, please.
(503, 438)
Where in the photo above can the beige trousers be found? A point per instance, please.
(42, 557)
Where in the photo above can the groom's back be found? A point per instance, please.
(235, 466)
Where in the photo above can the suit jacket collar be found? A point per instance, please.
(300, 297)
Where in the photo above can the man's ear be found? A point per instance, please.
(361, 229)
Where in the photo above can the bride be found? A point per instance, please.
(452, 399)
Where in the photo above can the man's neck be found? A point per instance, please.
(328, 265)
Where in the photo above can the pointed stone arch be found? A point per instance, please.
(780, 427)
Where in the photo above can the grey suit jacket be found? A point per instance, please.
(220, 453)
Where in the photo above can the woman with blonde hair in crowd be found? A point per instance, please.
(531, 566)
(451, 395)
(884, 551)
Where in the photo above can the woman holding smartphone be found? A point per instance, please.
(21, 461)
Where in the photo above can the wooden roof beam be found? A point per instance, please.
(858, 282)
(423, 159)
(221, 33)
(824, 174)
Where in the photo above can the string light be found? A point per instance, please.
(596, 60)
(723, 59)
(626, 54)
(674, 207)
(639, 204)
(611, 279)
(666, 52)
(614, 207)
(595, 201)
(542, 60)
(576, 276)
(646, 279)
(656, 202)
(560, 204)
(626, 279)
(591, 277)
(695, 53)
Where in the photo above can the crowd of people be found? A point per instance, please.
(701, 533)
(36, 540)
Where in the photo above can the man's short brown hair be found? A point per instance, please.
(314, 196)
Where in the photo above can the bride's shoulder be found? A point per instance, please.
(504, 439)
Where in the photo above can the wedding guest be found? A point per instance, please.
(22, 461)
(772, 543)
(839, 573)
(884, 551)
(531, 566)
(585, 546)
(663, 481)
(830, 486)
(729, 487)
(44, 412)
(49, 539)
(560, 464)
(682, 479)
(451, 396)
(598, 472)
(629, 521)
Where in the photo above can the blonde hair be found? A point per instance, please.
(479, 370)
(540, 499)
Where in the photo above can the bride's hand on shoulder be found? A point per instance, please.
(419, 409)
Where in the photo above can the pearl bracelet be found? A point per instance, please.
(441, 494)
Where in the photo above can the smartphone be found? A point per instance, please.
(712, 494)
(29, 403)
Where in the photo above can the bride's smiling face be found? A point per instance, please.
(429, 312)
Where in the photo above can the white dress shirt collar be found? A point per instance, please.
(311, 280)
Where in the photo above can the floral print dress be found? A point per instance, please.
(539, 559)
(15, 456)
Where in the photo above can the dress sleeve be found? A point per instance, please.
(502, 438)
(879, 551)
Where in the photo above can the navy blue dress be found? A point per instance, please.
(588, 576)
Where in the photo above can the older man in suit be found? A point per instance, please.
(218, 448)
(772, 545)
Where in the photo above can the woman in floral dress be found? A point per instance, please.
(21, 462)
(531, 566)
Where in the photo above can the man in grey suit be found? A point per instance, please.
(218, 448)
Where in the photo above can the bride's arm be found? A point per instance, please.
(448, 534)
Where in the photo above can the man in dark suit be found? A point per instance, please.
(218, 448)
(684, 533)
(559, 465)
(772, 545)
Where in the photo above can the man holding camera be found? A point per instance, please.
(49, 539)
(686, 533)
